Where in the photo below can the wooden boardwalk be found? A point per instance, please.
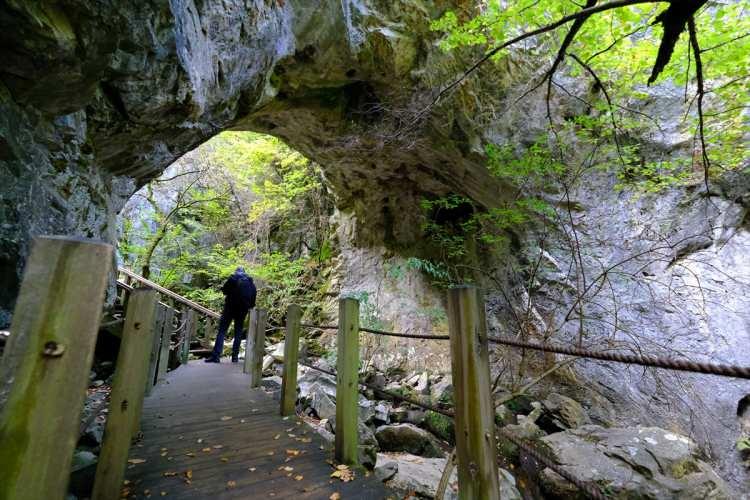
(207, 435)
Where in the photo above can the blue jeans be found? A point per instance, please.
(227, 316)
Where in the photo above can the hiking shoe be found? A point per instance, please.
(235, 359)
(211, 360)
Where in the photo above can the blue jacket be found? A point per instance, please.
(240, 292)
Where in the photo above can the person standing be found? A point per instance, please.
(240, 294)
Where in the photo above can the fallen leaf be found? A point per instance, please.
(224, 459)
(126, 482)
(292, 453)
(190, 454)
(335, 496)
(218, 446)
(207, 450)
(288, 469)
(163, 453)
(169, 474)
(231, 484)
(277, 436)
(252, 469)
(163, 493)
(242, 420)
(299, 477)
(189, 474)
(225, 418)
(200, 441)
(136, 461)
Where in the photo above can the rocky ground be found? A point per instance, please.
(407, 447)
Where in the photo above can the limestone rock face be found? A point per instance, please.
(99, 97)
(639, 462)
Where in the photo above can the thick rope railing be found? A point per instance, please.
(381, 332)
(405, 335)
(633, 359)
(589, 490)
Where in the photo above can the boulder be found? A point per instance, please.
(408, 438)
(310, 378)
(633, 462)
(423, 384)
(442, 391)
(322, 403)
(412, 475)
(276, 351)
(382, 412)
(566, 413)
(268, 361)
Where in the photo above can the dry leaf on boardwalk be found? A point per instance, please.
(225, 418)
(277, 436)
(218, 446)
(299, 477)
(231, 484)
(343, 473)
(189, 474)
(169, 474)
(292, 453)
(224, 459)
(207, 450)
(335, 496)
(136, 461)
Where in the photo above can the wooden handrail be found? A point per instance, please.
(128, 288)
(169, 293)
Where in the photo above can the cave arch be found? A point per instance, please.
(97, 99)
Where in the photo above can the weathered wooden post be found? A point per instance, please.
(45, 368)
(166, 338)
(155, 348)
(291, 352)
(474, 420)
(126, 399)
(347, 381)
(255, 346)
(191, 326)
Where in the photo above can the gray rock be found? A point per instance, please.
(322, 403)
(442, 391)
(82, 459)
(408, 438)
(382, 412)
(423, 384)
(312, 378)
(411, 474)
(638, 462)
(566, 412)
(385, 469)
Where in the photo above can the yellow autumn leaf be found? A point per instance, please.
(136, 461)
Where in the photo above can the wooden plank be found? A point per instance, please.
(169, 293)
(347, 368)
(470, 368)
(166, 338)
(45, 367)
(153, 361)
(126, 399)
(191, 327)
(291, 353)
(246, 442)
(255, 347)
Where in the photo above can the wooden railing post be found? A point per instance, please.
(475, 426)
(45, 368)
(166, 338)
(126, 399)
(255, 346)
(155, 347)
(291, 352)
(191, 326)
(347, 380)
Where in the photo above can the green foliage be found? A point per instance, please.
(620, 46)
(253, 202)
